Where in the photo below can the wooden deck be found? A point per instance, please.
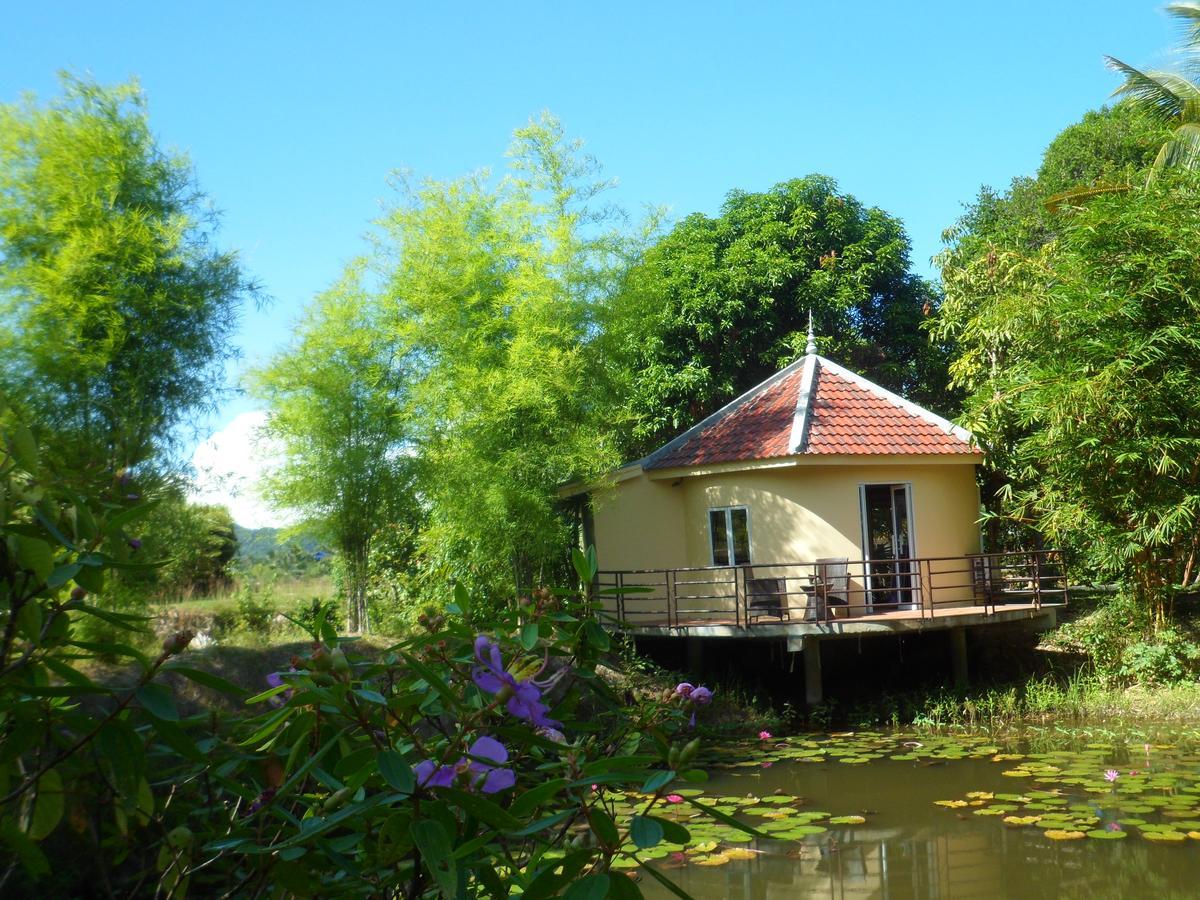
(892, 622)
(834, 596)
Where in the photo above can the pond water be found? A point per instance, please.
(899, 816)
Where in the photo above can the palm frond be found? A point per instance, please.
(1153, 91)
(1188, 15)
(1076, 196)
(1182, 151)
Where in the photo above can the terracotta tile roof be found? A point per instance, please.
(759, 429)
(850, 418)
(844, 414)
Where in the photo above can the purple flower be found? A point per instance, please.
(430, 774)
(701, 696)
(523, 699)
(275, 679)
(684, 690)
(259, 802)
(135, 543)
(1111, 775)
(484, 770)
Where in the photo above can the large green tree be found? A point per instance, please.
(720, 303)
(988, 279)
(498, 288)
(116, 308)
(335, 401)
(1099, 379)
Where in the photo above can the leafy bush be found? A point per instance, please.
(256, 606)
(311, 615)
(478, 755)
(1119, 640)
(1169, 657)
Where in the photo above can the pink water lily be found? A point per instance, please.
(764, 735)
(674, 798)
(1111, 775)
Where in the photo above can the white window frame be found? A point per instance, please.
(728, 510)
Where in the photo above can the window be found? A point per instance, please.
(729, 531)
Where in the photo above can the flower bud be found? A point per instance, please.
(77, 594)
(340, 665)
(178, 642)
(320, 660)
(689, 751)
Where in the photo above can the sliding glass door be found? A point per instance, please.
(887, 546)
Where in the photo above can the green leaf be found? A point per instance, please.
(593, 887)
(156, 699)
(436, 853)
(604, 827)
(584, 564)
(432, 679)
(29, 621)
(548, 882)
(24, 448)
(596, 635)
(129, 516)
(657, 780)
(206, 679)
(673, 832)
(48, 807)
(482, 809)
(727, 819)
(62, 574)
(53, 529)
(371, 696)
(621, 887)
(543, 824)
(646, 832)
(664, 880)
(530, 800)
(35, 555)
(462, 599)
(396, 771)
(529, 635)
(91, 579)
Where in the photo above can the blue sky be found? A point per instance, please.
(294, 113)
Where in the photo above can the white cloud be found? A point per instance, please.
(228, 468)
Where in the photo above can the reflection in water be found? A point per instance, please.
(912, 849)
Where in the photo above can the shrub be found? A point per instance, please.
(256, 607)
(479, 745)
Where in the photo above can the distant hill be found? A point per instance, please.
(255, 544)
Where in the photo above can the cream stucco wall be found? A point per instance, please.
(798, 514)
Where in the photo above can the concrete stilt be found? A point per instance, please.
(958, 655)
(695, 656)
(812, 670)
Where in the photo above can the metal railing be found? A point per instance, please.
(834, 589)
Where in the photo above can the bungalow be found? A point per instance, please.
(817, 503)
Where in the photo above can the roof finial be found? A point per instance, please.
(811, 348)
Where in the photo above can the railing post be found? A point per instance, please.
(669, 589)
(1037, 580)
(738, 595)
(925, 575)
(620, 585)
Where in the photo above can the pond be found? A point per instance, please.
(896, 815)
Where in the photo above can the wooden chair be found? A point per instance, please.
(767, 597)
(833, 582)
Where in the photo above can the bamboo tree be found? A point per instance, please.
(335, 406)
